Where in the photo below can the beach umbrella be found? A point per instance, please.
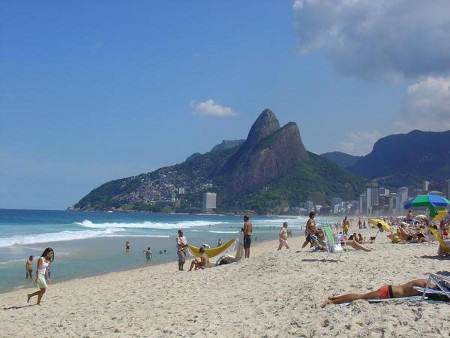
(377, 222)
(428, 201)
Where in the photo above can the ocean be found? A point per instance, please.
(92, 243)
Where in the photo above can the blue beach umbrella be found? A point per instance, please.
(428, 201)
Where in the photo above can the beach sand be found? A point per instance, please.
(273, 294)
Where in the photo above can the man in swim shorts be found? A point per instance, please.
(283, 236)
(247, 230)
(384, 292)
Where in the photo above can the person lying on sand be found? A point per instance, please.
(384, 292)
(203, 262)
(355, 245)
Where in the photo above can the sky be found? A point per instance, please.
(97, 90)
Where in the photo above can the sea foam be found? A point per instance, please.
(146, 225)
(67, 235)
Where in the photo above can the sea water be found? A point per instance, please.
(92, 243)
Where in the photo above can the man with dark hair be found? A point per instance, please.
(247, 230)
(312, 233)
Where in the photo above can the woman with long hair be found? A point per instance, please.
(42, 274)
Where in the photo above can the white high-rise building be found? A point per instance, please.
(402, 198)
(426, 185)
(209, 201)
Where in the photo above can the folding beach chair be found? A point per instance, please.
(440, 281)
(332, 241)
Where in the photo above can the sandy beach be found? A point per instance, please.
(272, 294)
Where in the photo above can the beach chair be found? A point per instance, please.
(332, 241)
(442, 244)
(440, 281)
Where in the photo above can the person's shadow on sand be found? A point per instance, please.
(444, 258)
(18, 307)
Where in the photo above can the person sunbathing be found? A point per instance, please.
(201, 263)
(384, 292)
(354, 244)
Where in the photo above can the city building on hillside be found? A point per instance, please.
(181, 191)
(426, 185)
(209, 201)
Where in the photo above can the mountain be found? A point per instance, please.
(342, 159)
(227, 144)
(269, 172)
(407, 159)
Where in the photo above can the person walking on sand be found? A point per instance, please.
(283, 236)
(312, 233)
(247, 230)
(29, 268)
(181, 249)
(42, 278)
(127, 247)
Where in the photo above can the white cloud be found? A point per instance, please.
(426, 105)
(377, 38)
(360, 143)
(211, 108)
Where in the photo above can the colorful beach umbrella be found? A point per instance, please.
(427, 201)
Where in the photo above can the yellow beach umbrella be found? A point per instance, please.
(377, 221)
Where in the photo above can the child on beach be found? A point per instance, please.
(42, 277)
(283, 236)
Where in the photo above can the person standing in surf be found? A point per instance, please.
(42, 278)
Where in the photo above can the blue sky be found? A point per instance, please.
(96, 90)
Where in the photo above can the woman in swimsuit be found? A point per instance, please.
(42, 277)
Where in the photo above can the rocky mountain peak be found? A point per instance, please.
(266, 124)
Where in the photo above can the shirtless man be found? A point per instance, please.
(311, 231)
(247, 230)
(409, 217)
(29, 268)
(283, 236)
(384, 292)
(204, 261)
